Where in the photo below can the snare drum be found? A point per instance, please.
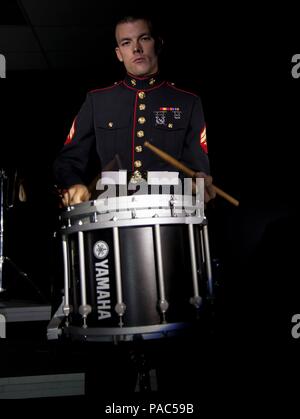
(134, 266)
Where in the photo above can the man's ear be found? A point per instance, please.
(118, 53)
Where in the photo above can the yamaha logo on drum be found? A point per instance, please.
(103, 290)
(101, 249)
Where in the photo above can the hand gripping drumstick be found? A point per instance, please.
(165, 156)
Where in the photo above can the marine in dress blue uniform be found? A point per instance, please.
(120, 118)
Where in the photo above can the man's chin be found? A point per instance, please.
(141, 71)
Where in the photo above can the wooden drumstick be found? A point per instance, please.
(191, 173)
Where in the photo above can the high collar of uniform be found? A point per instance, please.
(142, 83)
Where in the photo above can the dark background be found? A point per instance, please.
(238, 59)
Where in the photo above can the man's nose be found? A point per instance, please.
(138, 48)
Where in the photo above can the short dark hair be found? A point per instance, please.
(134, 18)
(151, 25)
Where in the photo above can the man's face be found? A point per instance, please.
(136, 48)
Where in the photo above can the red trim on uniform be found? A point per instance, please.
(203, 142)
(106, 88)
(133, 129)
(181, 90)
(142, 77)
(72, 132)
(143, 90)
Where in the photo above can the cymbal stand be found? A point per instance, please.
(2, 258)
(5, 259)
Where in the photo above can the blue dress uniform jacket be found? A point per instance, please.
(119, 119)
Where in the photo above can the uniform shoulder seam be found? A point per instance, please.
(181, 90)
(103, 89)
